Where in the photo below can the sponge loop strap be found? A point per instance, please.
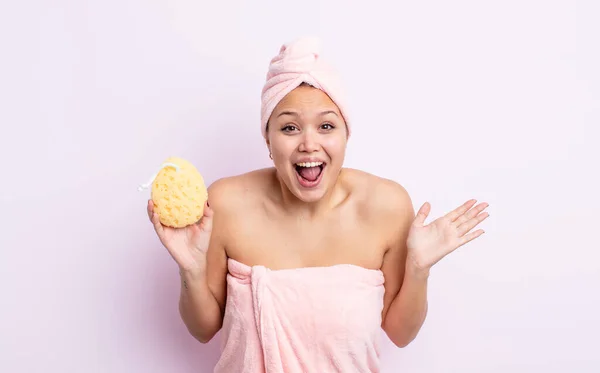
(149, 183)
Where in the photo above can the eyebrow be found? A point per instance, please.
(295, 114)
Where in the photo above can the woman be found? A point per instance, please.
(302, 264)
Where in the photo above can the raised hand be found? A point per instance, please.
(186, 245)
(428, 244)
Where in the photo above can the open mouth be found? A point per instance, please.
(309, 173)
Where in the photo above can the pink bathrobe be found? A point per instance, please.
(314, 319)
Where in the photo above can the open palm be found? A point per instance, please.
(428, 244)
(186, 245)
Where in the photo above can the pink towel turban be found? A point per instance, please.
(300, 62)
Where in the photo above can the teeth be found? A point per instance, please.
(309, 164)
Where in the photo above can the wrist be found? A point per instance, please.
(417, 272)
(192, 274)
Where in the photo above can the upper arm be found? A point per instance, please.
(398, 213)
(216, 255)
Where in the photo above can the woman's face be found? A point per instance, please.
(307, 138)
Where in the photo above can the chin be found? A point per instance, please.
(309, 197)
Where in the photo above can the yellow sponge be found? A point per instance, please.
(178, 193)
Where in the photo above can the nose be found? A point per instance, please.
(309, 142)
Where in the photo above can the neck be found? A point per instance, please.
(294, 206)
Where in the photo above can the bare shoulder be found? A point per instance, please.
(234, 192)
(379, 197)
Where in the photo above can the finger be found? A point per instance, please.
(471, 213)
(157, 224)
(453, 215)
(207, 210)
(206, 222)
(195, 227)
(150, 209)
(472, 223)
(422, 214)
(471, 236)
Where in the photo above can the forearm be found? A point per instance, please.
(198, 307)
(408, 310)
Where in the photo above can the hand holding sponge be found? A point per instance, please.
(178, 192)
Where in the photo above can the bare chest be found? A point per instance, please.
(279, 243)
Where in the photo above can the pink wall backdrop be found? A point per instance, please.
(455, 100)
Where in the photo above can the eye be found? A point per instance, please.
(288, 128)
(327, 126)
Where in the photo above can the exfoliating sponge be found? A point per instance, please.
(178, 193)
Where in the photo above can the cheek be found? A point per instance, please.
(335, 147)
(282, 149)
